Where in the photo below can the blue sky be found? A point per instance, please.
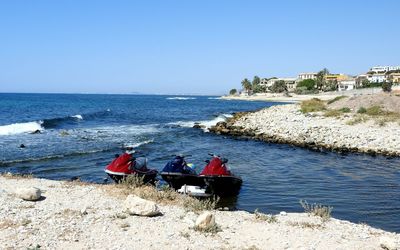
(199, 47)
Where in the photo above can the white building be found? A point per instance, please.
(305, 76)
(346, 85)
(377, 78)
(289, 81)
(382, 69)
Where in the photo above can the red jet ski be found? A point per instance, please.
(218, 179)
(126, 165)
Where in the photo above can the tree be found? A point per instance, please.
(320, 80)
(233, 92)
(365, 83)
(330, 85)
(246, 85)
(279, 87)
(308, 84)
(256, 81)
(259, 89)
(387, 86)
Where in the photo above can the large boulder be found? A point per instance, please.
(29, 193)
(134, 205)
(205, 220)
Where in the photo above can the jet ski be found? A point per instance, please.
(178, 173)
(126, 165)
(218, 179)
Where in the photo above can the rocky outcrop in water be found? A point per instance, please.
(286, 124)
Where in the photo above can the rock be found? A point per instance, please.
(388, 243)
(22, 146)
(29, 193)
(134, 205)
(205, 220)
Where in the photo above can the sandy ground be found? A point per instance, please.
(87, 216)
(275, 97)
(387, 101)
(278, 97)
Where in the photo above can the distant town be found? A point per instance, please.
(322, 81)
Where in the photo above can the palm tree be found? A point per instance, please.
(246, 85)
(321, 78)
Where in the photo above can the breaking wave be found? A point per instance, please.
(137, 144)
(33, 126)
(18, 128)
(205, 125)
(180, 98)
(79, 117)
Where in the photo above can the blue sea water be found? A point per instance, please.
(81, 133)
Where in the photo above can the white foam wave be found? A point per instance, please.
(137, 144)
(205, 125)
(214, 98)
(79, 117)
(19, 128)
(180, 98)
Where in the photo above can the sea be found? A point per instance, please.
(81, 133)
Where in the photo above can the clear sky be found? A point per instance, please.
(199, 47)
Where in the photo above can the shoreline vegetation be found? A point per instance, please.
(77, 215)
(364, 124)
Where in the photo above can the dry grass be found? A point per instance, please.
(332, 113)
(306, 225)
(163, 195)
(312, 105)
(375, 111)
(132, 181)
(265, 217)
(336, 99)
(212, 230)
(7, 223)
(317, 210)
(358, 119)
(185, 235)
(195, 205)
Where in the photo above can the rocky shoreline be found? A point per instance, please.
(286, 124)
(76, 215)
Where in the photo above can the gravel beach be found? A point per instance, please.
(75, 215)
(287, 124)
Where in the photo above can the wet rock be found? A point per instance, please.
(205, 220)
(134, 205)
(22, 146)
(29, 193)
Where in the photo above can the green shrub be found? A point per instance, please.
(345, 110)
(332, 113)
(387, 86)
(308, 84)
(362, 110)
(337, 98)
(375, 110)
(358, 119)
(312, 105)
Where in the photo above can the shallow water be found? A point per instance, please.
(81, 133)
